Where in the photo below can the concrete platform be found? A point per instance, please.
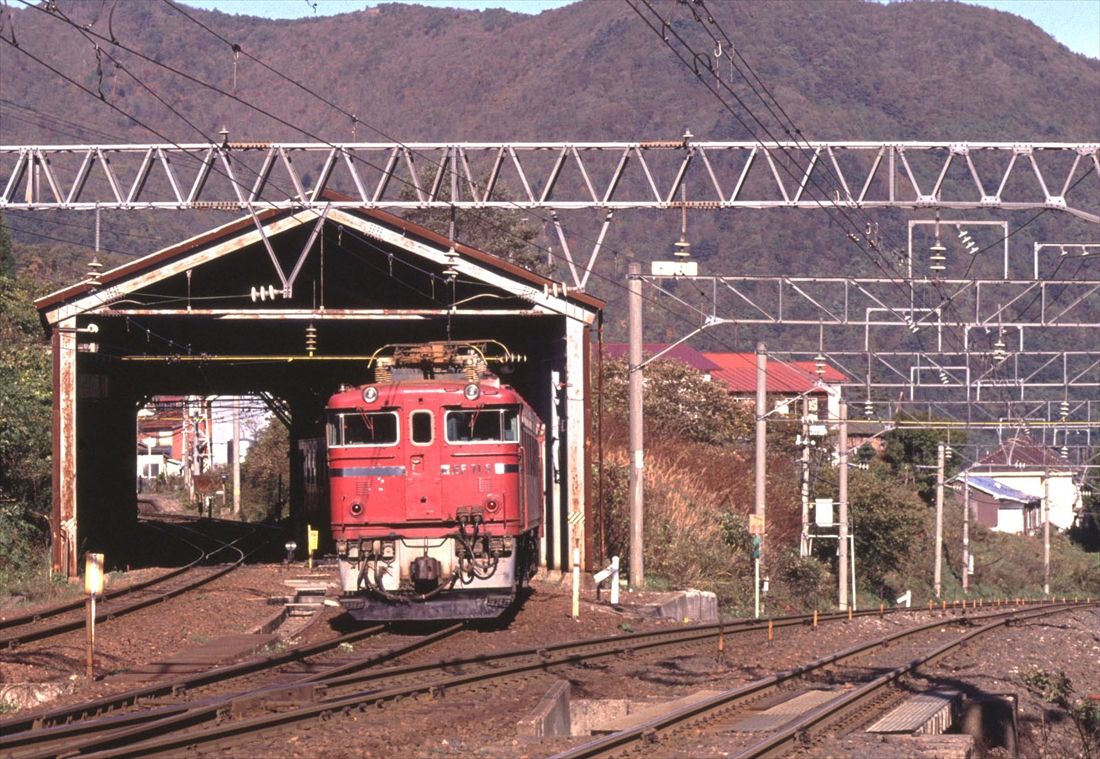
(645, 712)
(931, 713)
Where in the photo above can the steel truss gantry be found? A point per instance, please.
(956, 349)
(934, 306)
(556, 176)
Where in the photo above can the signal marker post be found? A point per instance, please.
(756, 529)
(312, 541)
(93, 586)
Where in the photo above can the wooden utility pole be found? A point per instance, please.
(939, 519)
(634, 404)
(842, 496)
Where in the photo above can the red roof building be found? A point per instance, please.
(738, 372)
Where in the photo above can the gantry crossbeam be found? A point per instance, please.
(561, 175)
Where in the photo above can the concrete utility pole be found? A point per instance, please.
(236, 457)
(966, 534)
(939, 518)
(1046, 533)
(842, 496)
(634, 405)
(761, 438)
(804, 542)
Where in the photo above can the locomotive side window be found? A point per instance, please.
(496, 425)
(360, 428)
(420, 427)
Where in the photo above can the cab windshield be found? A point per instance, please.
(498, 424)
(362, 428)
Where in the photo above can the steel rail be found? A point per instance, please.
(65, 715)
(61, 608)
(820, 719)
(103, 615)
(32, 729)
(157, 736)
(604, 745)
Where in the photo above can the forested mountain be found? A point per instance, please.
(842, 69)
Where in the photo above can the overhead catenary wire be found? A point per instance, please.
(665, 30)
(196, 80)
(558, 256)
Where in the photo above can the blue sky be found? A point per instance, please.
(1074, 23)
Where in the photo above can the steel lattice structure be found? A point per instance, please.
(557, 176)
(965, 359)
(882, 318)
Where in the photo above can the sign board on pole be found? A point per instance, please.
(756, 524)
(823, 512)
(93, 574)
(674, 269)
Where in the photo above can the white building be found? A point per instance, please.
(1024, 467)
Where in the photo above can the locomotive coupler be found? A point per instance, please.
(425, 570)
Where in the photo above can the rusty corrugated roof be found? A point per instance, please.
(153, 260)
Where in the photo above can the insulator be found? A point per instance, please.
(868, 408)
(94, 267)
(263, 293)
(1063, 410)
(681, 248)
(449, 270)
(1065, 451)
(944, 379)
(819, 365)
(311, 339)
(948, 453)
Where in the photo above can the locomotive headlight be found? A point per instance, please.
(356, 508)
(370, 394)
(472, 392)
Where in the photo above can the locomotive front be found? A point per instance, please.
(435, 485)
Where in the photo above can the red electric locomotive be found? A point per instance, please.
(435, 485)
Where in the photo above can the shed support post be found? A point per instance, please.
(574, 449)
(63, 522)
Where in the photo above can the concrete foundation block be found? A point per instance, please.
(692, 605)
(550, 718)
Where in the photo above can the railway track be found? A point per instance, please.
(323, 692)
(287, 674)
(67, 617)
(862, 691)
